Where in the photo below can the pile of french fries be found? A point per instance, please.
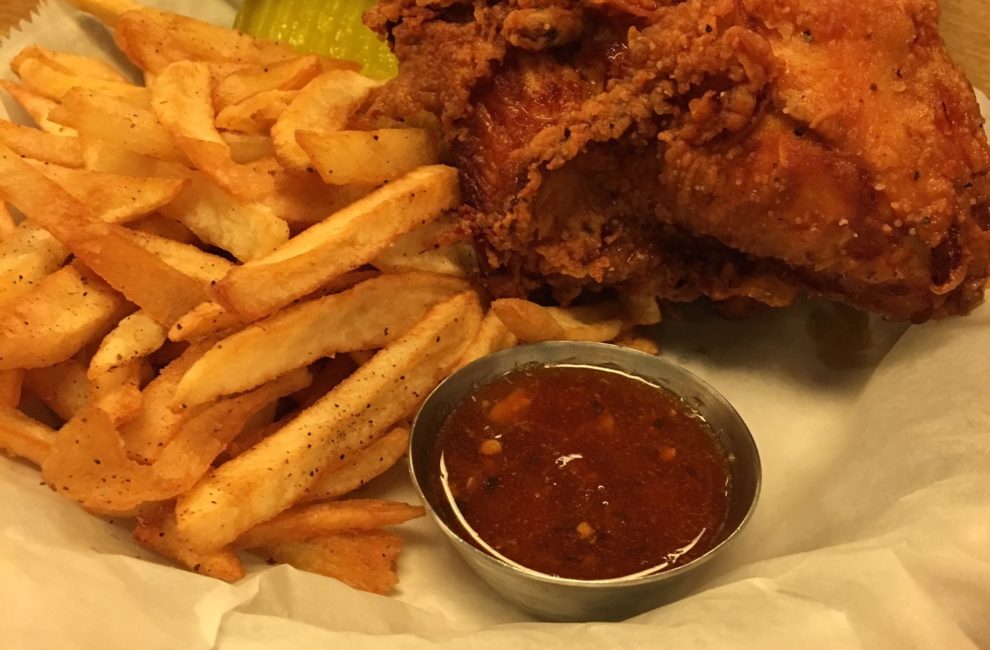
(220, 308)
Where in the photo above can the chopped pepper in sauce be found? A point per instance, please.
(582, 473)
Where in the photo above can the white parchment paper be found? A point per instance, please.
(873, 530)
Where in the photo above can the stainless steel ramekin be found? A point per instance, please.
(566, 599)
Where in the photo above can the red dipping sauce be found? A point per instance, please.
(581, 472)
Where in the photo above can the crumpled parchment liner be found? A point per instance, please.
(873, 530)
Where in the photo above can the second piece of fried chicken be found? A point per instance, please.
(726, 148)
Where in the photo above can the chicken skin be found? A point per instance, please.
(734, 149)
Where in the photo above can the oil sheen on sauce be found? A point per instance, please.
(581, 472)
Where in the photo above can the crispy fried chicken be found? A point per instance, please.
(735, 149)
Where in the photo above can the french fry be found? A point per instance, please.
(112, 197)
(24, 437)
(109, 250)
(7, 224)
(360, 466)
(256, 114)
(46, 80)
(641, 343)
(307, 521)
(27, 256)
(117, 391)
(181, 101)
(327, 375)
(10, 387)
(134, 337)
(374, 157)
(88, 462)
(106, 11)
(426, 248)
(161, 227)
(75, 64)
(203, 435)
(107, 118)
(246, 231)
(56, 318)
(346, 240)
(38, 107)
(364, 560)
(302, 198)
(641, 308)
(531, 322)
(36, 144)
(211, 318)
(243, 492)
(158, 533)
(205, 319)
(86, 451)
(325, 104)
(492, 336)
(145, 436)
(154, 39)
(248, 147)
(370, 315)
(190, 260)
(290, 74)
(62, 387)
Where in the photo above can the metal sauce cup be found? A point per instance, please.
(566, 599)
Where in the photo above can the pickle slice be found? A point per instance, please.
(330, 27)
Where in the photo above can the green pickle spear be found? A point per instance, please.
(330, 27)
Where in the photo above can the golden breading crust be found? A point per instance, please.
(727, 148)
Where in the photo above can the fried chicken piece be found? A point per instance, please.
(724, 148)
